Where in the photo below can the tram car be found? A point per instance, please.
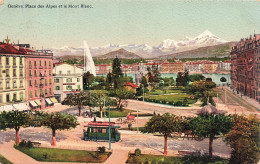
(99, 131)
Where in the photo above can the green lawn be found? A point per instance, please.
(153, 159)
(168, 91)
(64, 155)
(3, 160)
(174, 98)
(116, 113)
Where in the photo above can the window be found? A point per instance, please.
(60, 72)
(50, 91)
(78, 86)
(15, 84)
(21, 96)
(50, 81)
(69, 79)
(45, 82)
(68, 72)
(7, 61)
(7, 98)
(21, 61)
(57, 80)
(41, 92)
(30, 73)
(35, 63)
(30, 63)
(49, 63)
(30, 82)
(35, 73)
(14, 97)
(21, 83)
(14, 72)
(40, 63)
(46, 92)
(1, 99)
(31, 94)
(7, 73)
(1, 60)
(57, 87)
(49, 72)
(35, 82)
(21, 72)
(7, 85)
(14, 61)
(36, 95)
(45, 63)
(78, 79)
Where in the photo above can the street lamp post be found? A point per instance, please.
(109, 129)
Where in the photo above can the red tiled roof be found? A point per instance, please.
(131, 85)
(8, 48)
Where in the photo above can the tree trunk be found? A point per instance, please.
(101, 115)
(17, 136)
(211, 145)
(165, 145)
(53, 138)
(79, 107)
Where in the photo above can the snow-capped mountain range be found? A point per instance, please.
(167, 46)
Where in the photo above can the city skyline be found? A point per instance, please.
(127, 22)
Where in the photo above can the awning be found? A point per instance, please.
(53, 100)
(49, 102)
(33, 103)
(38, 102)
(21, 106)
(7, 108)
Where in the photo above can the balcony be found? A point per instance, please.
(21, 66)
(14, 66)
(41, 85)
(21, 86)
(40, 67)
(43, 75)
(7, 66)
(7, 88)
(21, 75)
(30, 66)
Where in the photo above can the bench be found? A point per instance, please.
(36, 144)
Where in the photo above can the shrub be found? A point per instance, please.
(130, 126)
(102, 149)
(171, 103)
(163, 102)
(23, 143)
(29, 144)
(157, 101)
(178, 103)
(137, 152)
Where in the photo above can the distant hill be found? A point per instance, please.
(121, 53)
(221, 50)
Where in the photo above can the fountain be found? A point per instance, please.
(88, 60)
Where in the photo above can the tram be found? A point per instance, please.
(99, 131)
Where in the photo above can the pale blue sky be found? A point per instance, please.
(127, 21)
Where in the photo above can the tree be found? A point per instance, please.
(58, 121)
(144, 82)
(165, 124)
(100, 98)
(196, 77)
(244, 139)
(153, 76)
(211, 126)
(14, 120)
(78, 99)
(203, 90)
(109, 81)
(88, 79)
(116, 72)
(122, 95)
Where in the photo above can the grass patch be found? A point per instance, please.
(168, 91)
(64, 155)
(3, 160)
(114, 113)
(154, 159)
(173, 98)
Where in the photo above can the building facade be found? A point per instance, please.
(12, 75)
(68, 79)
(244, 66)
(39, 75)
(172, 67)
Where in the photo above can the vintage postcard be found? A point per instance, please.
(130, 81)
